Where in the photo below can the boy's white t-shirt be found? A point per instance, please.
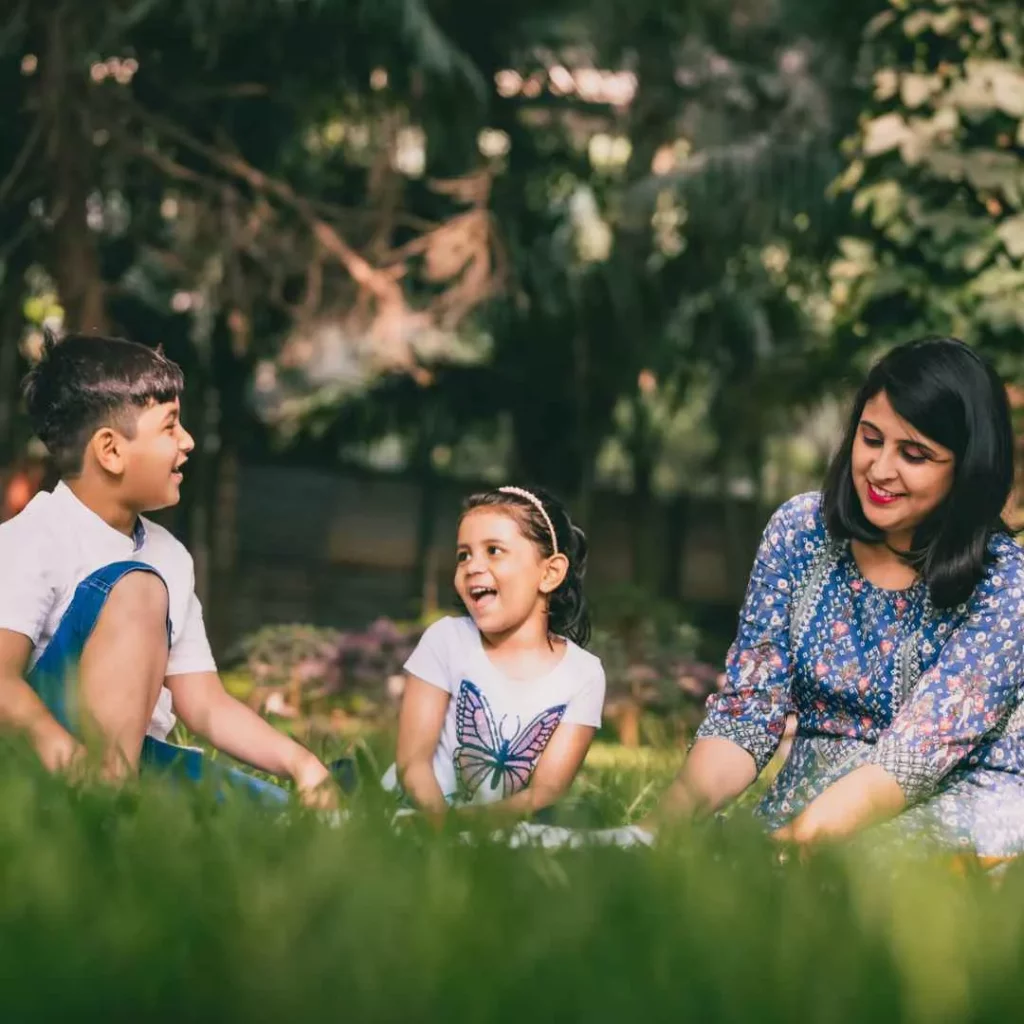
(496, 728)
(55, 542)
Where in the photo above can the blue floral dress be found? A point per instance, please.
(879, 676)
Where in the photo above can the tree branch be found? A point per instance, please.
(368, 277)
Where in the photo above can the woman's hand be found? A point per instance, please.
(866, 796)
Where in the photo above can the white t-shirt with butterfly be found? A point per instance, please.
(496, 728)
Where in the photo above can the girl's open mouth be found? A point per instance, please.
(482, 597)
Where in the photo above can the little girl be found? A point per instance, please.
(500, 707)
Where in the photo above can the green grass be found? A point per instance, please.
(157, 904)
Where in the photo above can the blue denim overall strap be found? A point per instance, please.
(52, 677)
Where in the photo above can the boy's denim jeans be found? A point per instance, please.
(53, 672)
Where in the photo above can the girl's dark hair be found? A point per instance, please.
(84, 382)
(950, 394)
(568, 614)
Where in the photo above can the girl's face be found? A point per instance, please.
(900, 475)
(501, 575)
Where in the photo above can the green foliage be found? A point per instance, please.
(936, 174)
(156, 905)
(649, 657)
(643, 642)
(311, 666)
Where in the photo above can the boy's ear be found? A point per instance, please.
(107, 448)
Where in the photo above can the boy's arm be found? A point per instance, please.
(22, 710)
(208, 710)
(26, 598)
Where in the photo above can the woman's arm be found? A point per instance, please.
(420, 722)
(745, 722)
(715, 773)
(956, 705)
(553, 775)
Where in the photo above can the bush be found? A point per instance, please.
(296, 667)
(657, 685)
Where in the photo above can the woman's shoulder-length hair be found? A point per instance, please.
(945, 390)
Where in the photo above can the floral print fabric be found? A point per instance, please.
(878, 676)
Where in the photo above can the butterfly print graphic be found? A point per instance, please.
(484, 757)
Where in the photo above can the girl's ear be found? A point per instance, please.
(554, 573)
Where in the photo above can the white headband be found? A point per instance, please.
(539, 506)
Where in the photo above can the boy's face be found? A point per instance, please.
(153, 458)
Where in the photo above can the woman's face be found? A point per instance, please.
(900, 475)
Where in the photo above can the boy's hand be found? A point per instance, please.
(58, 749)
(22, 709)
(314, 783)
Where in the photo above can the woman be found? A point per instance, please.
(886, 612)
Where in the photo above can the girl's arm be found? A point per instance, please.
(420, 722)
(553, 775)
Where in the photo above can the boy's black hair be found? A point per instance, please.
(944, 389)
(84, 382)
(568, 614)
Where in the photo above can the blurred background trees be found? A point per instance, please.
(624, 245)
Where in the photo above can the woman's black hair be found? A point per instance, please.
(945, 390)
(568, 614)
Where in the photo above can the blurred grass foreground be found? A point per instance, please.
(160, 904)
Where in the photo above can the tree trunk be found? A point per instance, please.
(223, 545)
(202, 511)
(735, 556)
(225, 419)
(673, 568)
(65, 92)
(642, 503)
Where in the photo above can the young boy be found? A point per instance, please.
(101, 633)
